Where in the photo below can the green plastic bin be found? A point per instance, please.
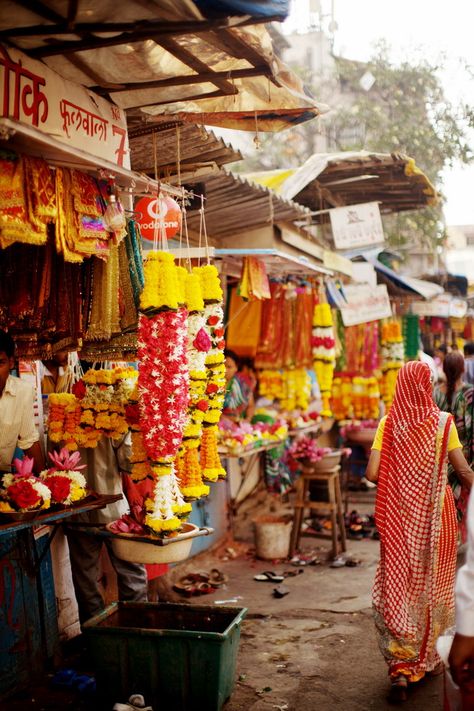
(181, 657)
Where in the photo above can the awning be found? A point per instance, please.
(233, 205)
(410, 285)
(183, 153)
(328, 180)
(278, 263)
(167, 60)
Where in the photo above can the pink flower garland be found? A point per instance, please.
(163, 381)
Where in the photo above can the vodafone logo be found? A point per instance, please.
(156, 215)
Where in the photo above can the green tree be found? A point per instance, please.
(404, 111)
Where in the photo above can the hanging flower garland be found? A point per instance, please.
(270, 384)
(211, 466)
(393, 356)
(96, 407)
(23, 491)
(188, 468)
(323, 344)
(341, 400)
(163, 387)
(296, 389)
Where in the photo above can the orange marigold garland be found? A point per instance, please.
(211, 466)
(198, 345)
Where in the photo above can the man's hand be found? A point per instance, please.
(461, 662)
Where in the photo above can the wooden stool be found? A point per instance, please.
(333, 506)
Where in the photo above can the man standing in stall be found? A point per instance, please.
(17, 425)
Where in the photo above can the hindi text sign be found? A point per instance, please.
(356, 225)
(364, 304)
(32, 93)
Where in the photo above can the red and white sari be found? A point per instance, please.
(413, 594)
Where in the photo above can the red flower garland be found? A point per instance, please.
(163, 382)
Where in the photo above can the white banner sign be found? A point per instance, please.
(443, 306)
(356, 225)
(365, 304)
(32, 93)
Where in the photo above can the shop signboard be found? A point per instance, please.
(34, 94)
(337, 262)
(442, 306)
(365, 303)
(357, 225)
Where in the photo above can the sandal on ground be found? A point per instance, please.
(280, 591)
(398, 690)
(200, 588)
(269, 576)
(217, 579)
(292, 573)
(200, 577)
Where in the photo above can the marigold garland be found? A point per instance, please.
(211, 466)
(393, 355)
(198, 345)
(296, 389)
(323, 346)
(162, 288)
(96, 407)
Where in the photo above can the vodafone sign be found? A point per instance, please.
(157, 216)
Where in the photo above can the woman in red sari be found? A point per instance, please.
(413, 594)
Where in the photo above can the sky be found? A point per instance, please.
(428, 28)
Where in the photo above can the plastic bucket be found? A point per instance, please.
(272, 536)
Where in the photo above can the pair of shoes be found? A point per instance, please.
(192, 589)
(398, 690)
(135, 703)
(269, 576)
(338, 562)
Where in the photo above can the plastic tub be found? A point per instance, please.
(180, 657)
(147, 549)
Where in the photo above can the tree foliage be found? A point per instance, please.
(404, 111)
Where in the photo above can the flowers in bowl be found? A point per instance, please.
(23, 491)
(64, 480)
(305, 449)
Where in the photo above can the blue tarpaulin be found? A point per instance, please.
(268, 8)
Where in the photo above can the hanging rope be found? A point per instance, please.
(204, 229)
(178, 154)
(186, 234)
